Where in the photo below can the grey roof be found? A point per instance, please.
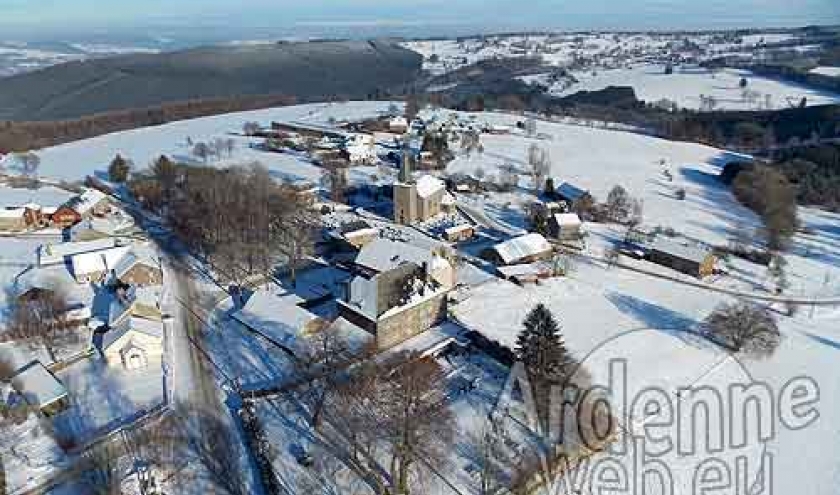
(677, 250)
(148, 327)
(570, 192)
(382, 255)
(37, 385)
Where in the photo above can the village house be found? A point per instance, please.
(12, 220)
(459, 233)
(113, 225)
(39, 388)
(400, 291)
(279, 317)
(691, 260)
(565, 226)
(65, 217)
(353, 235)
(527, 248)
(134, 344)
(95, 265)
(90, 203)
(573, 196)
(139, 268)
(361, 150)
(58, 254)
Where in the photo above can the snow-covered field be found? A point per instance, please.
(599, 60)
(686, 85)
(74, 161)
(596, 306)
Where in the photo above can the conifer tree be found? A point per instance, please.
(541, 350)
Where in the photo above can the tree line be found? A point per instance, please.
(23, 136)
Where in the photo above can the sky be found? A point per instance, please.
(340, 18)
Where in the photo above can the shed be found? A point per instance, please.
(39, 388)
(565, 226)
(691, 260)
(571, 194)
(459, 233)
(523, 249)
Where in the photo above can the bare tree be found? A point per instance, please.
(618, 204)
(202, 151)
(42, 320)
(207, 441)
(29, 163)
(101, 473)
(334, 179)
(251, 128)
(491, 458)
(398, 404)
(612, 255)
(531, 127)
(539, 163)
(744, 327)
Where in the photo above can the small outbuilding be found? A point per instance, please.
(565, 226)
(691, 260)
(574, 196)
(39, 388)
(459, 233)
(526, 248)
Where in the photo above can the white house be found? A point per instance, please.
(565, 226)
(89, 203)
(93, 266)
(58, 254)
(134, 344)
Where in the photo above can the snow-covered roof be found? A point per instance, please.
(137, 255)
(570, 192)
(382, 255)
(567, 220)
(448, 199)
(522, 247)
(87, 201)
(53, 278)
(98, 261)
(12, 213)
(51, 254)
(428, 185)
(458, 228)
(37, 385)
(277, 316)
(677, 250)
(112, 225)
(132, 325)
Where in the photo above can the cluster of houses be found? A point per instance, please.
(90, 204)
(112, 287)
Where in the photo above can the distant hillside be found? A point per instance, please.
(306, 71)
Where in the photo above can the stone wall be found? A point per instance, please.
(411, 321)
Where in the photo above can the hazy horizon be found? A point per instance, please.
(191, 22)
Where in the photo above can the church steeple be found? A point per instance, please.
(407, 162)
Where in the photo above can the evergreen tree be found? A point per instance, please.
(118, 169)
(541, 350)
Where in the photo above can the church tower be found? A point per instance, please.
(405, 190)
